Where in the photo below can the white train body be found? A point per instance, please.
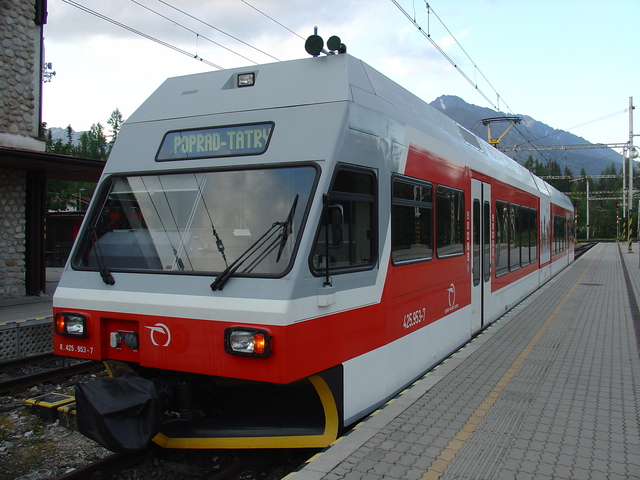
(430, 235)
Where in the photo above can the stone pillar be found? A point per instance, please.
(12, 234)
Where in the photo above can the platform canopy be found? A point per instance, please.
(60, 167)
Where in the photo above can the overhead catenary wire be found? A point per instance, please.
(498, 97)
(554, 132)
(427, 35)
(626, 110)
(198, 35)
(138, 32)
(217, 29)
(272, 19)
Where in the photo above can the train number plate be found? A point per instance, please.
(414, 318)
(75, 348)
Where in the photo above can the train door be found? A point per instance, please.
(480, 253)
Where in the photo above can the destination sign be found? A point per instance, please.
(248, 139)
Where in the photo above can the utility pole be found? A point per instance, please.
(624, 187)
(588, 225)
(632, 154)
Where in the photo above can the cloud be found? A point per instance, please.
(104, 65)
(449, 41)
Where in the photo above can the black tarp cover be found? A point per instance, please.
(121, 414)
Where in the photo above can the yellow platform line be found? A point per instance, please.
(448, 453)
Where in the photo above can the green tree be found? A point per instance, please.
(57, 146)
(552, 169)
(534, 166)
(115, 121)
(63, 195)
(529, 164)
(92, 144)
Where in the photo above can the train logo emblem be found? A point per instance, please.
(162, 330)
(452, 298)
(452, 295)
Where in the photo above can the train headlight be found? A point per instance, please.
(247, 341)
(71, 325)
(246, 79)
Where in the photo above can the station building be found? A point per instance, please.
(24, 164)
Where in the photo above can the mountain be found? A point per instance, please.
(594, 161)
(530, 132)
(61, 133)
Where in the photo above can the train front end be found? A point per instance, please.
(190, 275)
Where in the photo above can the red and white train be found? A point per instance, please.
(273, 252)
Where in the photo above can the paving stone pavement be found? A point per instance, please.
(549, 391)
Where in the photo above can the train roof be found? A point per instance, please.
(330, 79)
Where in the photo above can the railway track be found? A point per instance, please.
(16, 363)
(19, 381)
(153, 462)
(227, 465)
(107, 466)
(581, 248)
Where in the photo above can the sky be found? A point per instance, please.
(566, 63)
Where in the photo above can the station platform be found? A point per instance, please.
(549, 391)
(25, 323)
(32, 307)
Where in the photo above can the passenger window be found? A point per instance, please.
(523, 226)
(449, 221)
(529, 234)
(559, 234)
(514, 238)
(351, 202)
(411, 221)
(502, 245)
(533, 234)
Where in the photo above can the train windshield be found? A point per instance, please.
(199, 222)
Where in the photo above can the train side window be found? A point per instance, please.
(514, 237)
(559, 234)
(449, 221)
(525, 239)
(502, 243)
(353, 193)
(533, 234)
(411, 221)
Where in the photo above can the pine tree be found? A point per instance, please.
(63, 195)
(115, 121)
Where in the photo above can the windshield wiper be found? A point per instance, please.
(219, 243)
(228, 272)
(102, 265)
(287, 228)
(279, 230)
